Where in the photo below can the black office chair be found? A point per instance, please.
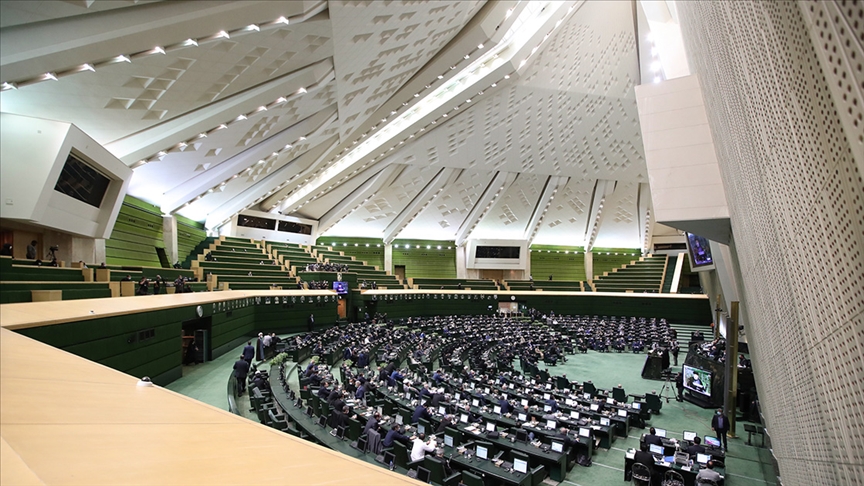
(673, 478)
(538, 474)
(437, 474)
(706, 482)
(641, 474)
(470, 479)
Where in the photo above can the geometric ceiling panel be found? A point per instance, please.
(509, 216)
(567, 216)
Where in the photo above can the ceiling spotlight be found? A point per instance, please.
(122, 58)
(302, 90)
(7, 86)
(222, 34)
(158, 49)
(282, 20)
(52, 76)
(479, 46)
(506, 76)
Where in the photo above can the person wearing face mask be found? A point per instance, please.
(720, 424)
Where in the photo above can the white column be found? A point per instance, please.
(169, 237)
(589, 266)
(388, 259)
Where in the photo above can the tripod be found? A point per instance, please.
(667, 387)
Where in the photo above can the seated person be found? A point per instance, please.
(420, 448)
(372, 423)
(644, 457)
(696, 448)
(652, 439)
(420, 413)
(709, 473)
(395, 434)
(446, 421)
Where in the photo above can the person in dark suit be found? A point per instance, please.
(696, 448)
(679, 383)
(241, 370)
(720, 424)
(310, 323)
(553, 404)
(372, 423)
(436, 400)
(393, 435)
(653, 439)
(447, 421)
(420, 413)
(323, 391)
(504, 404)
(249, 352)
(644, 457)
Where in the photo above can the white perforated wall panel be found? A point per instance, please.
(796, 201)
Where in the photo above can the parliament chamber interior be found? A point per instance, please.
(442, 242)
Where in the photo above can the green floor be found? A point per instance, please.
(746, 465)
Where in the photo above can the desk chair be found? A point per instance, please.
(437, 474)
(470, 479)
(641, 474)
(673, 478)
(538, 474)
(619, 395)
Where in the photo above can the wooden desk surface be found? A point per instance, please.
(66, 420)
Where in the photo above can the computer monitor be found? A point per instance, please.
(463, 418)
(595, 407)
(322, 421)
(389, 457)
(448, 440)
(703, 458)
(524, 402)
(496, 409)
(309, 411)
(584, 432)
(610, 400)
(548, 386)
(399, 419)
(504, 396)
(637, 406)
(475, 403)
(551, 424)
(490, 426)
(604, 421)
(557, 446)
(486, 390)
(423, 475)
(547, 396)
(689, 435)
(656, 449)
(660, 432)
(586, 396)
(421, 429)
(574, 415)
(521, 435)
(522, 417)
(340, 432)
(442, 409)
(547, 408)
(533, 382)
(712, 441)
(457, 397)
(622, 413)
(520, 466)
(482, 452)
(361, 443)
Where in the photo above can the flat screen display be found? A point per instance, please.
(496, 409)
(448, 440)
(557, 447)
(574, 415)
(482, 452)
(421, 429)
(656, 449)
(523, 417)
(490, 427)
(524, 402)
(622, 413)
(475, 403)
(689, 435)
(604, 421)
(697, 380)
(660, 432)
(584, 432)
(520, 466)
(441, 410)
(340, 287)
(82, 182)
(703, 458)
(712, 441)
(595, 407)
(550, 424)
(700, 251)
(463, 418)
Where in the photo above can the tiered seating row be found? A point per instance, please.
(452, 284)
(644, 275)
(556, 285)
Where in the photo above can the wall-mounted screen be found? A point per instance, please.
(82, 182)
(340, 287)
(699, 249)
(497, 252)
(256, 222)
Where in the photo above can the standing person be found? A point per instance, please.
(31, 250)
(675, 348)
(679, 383)
(248, 352)
(720, 424)
(310, 323)
(241, 370)
(259, 347)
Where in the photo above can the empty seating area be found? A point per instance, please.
(451, 284)
(547, 285)
(22, 281)
(293, 256)
(241, 264)
(643, 275)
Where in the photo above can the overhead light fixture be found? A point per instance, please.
(282, 20)
(302, 90)
(52, 76)
(122, 58)
(479, 46)
(7, 86)
(190, 42)
(159, 50)
(222, 34)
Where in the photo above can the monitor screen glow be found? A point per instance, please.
(475, 403)
(399, 419)
(496, 409)
(656, 449)
(482, 452)
(637, 406)
(547, 408)
(697, 380)
(448, 440)
(441, 410)
(421, 429)
(550, 424)
(584, 432)
(660, 432)
(712, 441)
(520, 466)
(595, 407)
(557, 447)
(463, 418)
(490, 426)
(574, 415)
(604, 421)
(689, 435)
(524, 402)
(523, 417)
(622, 413)
(547, 396)
(703, 458)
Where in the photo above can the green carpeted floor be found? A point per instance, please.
(746, 465)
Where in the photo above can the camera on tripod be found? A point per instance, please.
(54, 248)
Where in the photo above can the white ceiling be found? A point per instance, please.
(261, 113)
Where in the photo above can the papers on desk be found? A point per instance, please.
(685, 468)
